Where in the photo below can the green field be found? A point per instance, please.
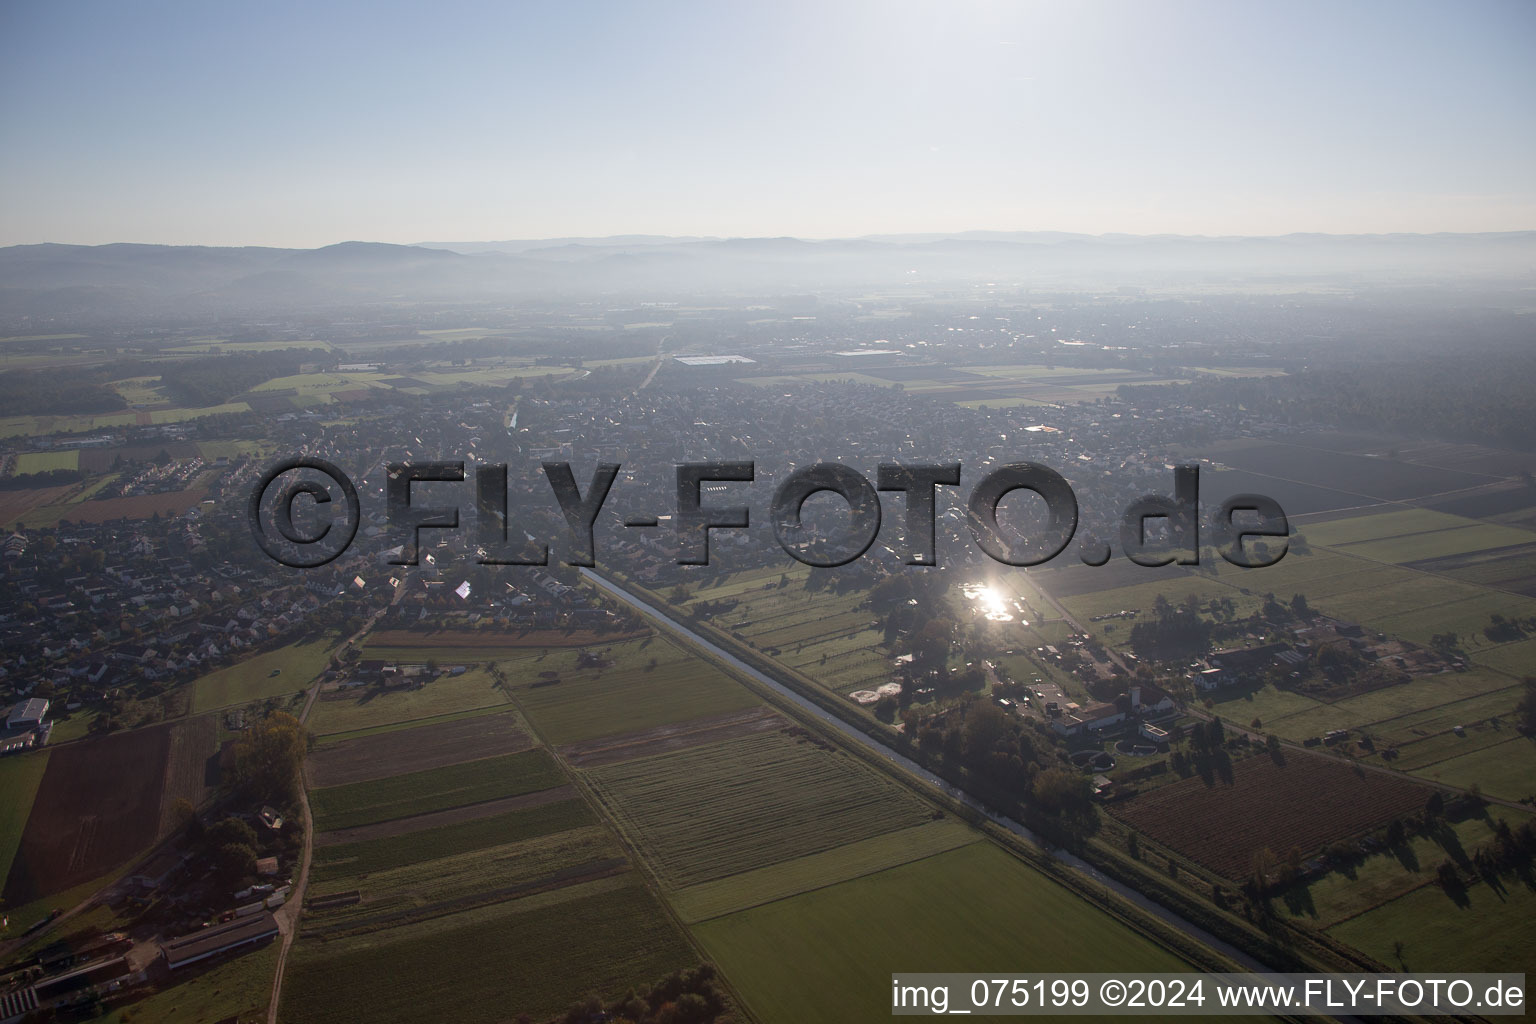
(14, 426)
(1506, 770)
(822, 634)
(829, 954)
(352, 711)
(535, 955)
(817, 870)
(1381, 526)
(344, 860)
(250, 680)
(456, 785)
(374, 730)
(406, 895)
(1495, 931)
(20, 775)
(1339, 895)
(1441, 543)
(1518, 659)
(628, 696)
(44, 462)
(721, 808)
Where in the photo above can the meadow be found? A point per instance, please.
(275, 673)
(20, 775)
(352, 711)
(1493, 931)
(1380, 877)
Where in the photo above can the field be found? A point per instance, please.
(1352, 473)
(996, 386)
(25, 506)
(276, 673)
(829, 954)
(341, 860)
(1493, 931)
(43, 462)
(455, 785)
(675, 736)
(395, 897)
(17, 426)
(141, 506)
(1380, 877)
(416, 749)
(20, 775)
(821, 634)
(1309, 802)
(627, 693)
(817, 870)
(354, 710)
(484, 966)
(479, 645)
(99, 804)
(1505, 769)
(191, 768)
(715, 810)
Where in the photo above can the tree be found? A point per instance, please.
(267, 759)
(1063, 792)
(236, 861)
(230, 832)
(1525, 711)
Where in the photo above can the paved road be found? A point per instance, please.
(1126, 892)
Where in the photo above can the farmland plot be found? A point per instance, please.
(355, 710)
(535, 955)
(417, 749)
(643, 684)
(349, 859)
(456, 785)
(408, 893)
(1309, 802)
(712, 811)
(97, 806)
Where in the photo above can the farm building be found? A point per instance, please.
(16, 1004)
(28, 714)
(242, 931)
(1092, 718)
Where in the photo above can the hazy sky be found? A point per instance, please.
(302, 124)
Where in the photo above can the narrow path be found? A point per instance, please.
(288, 914)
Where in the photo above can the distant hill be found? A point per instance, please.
(53, 280)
